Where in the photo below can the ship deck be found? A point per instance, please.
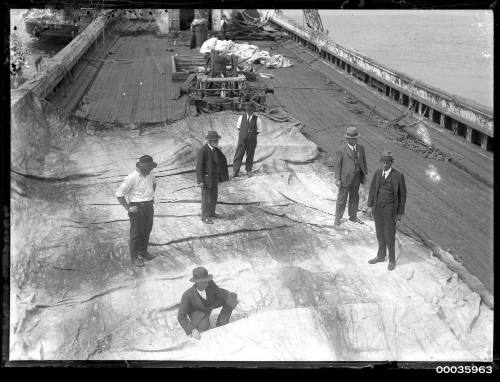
(446, 204)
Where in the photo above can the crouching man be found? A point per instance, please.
(198, 302)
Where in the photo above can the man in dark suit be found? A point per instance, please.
(350, 172)
(249, 126)
(211, 168)
(198, 302)
(386, 202)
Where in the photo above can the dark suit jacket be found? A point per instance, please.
(398, 186)
(211, 166)
(191, 301)
(344, 166)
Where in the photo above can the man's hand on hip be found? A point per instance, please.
(369, 211)
(133, 209)
(196, 334)
(338, 183)
(398, 220)
(202, 185)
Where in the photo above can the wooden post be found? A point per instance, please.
(421, 108)
(468, 134)
(401, 98)
(484, 141)
(442, 120)
(391, 93)
(454, 127)
(431, 114)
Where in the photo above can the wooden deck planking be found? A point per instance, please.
(104, 84)
(119, 82)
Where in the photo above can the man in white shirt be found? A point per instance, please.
(138, 189)
(249, 126)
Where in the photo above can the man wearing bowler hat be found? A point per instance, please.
(350, 172)
(386, 202)
(198, 302)
(136, 195)
(211, 168)
(249, 126)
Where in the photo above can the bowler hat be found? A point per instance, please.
(212, 135)
(351, 132)
(200, 274)
(386, 155)
(146, 161)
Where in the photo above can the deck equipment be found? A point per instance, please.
(219, 87)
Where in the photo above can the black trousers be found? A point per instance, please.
(247, 146)
(193, 40)
(385, 226)
(209, 200)
(141, 224)
(351, 191)
(201, 320)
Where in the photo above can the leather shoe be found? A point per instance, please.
(357, 220)
(376, 260)
(236, 174)
(207, 221)
(391, 266)
(146, 255)
(249, 173)
(138, 262)
(215, 216)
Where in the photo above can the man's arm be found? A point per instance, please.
(363, 162)
(154, 183)
(220, 294)
(402, 196)
(338, 166)
(371, 194)
(123, 202)
(238, 124)
(200, 164)
(123, 191)
(182, 315)
(259, 125)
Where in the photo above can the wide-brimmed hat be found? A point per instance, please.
(212, 135)
(146, 161)
(386, 155)
(351, 132)
(200, 274)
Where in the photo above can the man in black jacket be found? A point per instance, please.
(249, 126)
(386, 202)
(211, 168)
(198, 302)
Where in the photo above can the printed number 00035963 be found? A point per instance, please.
(464, 369)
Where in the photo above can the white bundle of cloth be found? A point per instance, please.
(278, 61)
(245, 52)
